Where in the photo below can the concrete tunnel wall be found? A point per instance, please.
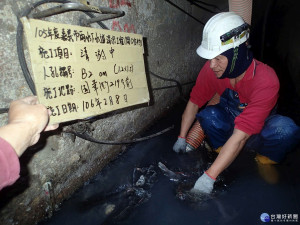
(66, 164)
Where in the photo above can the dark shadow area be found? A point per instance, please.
(275, 41)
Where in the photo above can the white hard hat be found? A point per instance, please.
(223, 31)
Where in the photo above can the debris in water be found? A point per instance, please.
(109, 209)
(169, 173)
(118, 203)
(141, 181)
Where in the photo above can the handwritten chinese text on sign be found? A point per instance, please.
(81, 72)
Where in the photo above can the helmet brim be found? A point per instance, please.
(204, 53)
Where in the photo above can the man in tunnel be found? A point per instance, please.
(245, 114)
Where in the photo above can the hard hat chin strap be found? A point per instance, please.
(239, 59)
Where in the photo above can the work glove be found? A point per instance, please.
(204, 184)
(180, 145)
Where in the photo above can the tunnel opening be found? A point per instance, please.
(273, 38)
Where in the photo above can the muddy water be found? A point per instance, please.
(133, 190)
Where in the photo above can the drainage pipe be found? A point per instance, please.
(243, 8)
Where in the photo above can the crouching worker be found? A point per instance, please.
(248, 91)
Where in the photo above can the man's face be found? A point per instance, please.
(219, 65)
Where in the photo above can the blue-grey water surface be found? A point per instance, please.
(243, 192)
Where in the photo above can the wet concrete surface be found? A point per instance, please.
(242, 193)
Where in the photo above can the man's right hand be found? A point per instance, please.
(180, 145)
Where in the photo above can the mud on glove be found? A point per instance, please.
(204, 184)
(180, 145)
